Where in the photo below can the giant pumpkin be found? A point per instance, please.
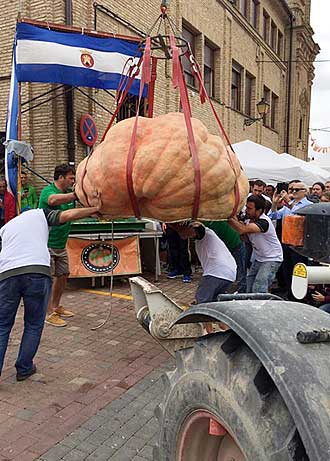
(163, 172)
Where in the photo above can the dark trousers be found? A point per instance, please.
(35, 290)
(210, 287)
(325, 308)
(178, 253)
(239, 254)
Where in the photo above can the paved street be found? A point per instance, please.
(95, 391)
(124, 430)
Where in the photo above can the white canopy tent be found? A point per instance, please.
(260, 162)
(318, 156)
(322, 162)
(315, 170)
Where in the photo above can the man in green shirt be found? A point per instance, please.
(233, 242)
(29, 197)
(58, 196)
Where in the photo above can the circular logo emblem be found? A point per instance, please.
(100, 257)
(87, 60)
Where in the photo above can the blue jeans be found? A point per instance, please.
(35, 290)
(261, 276)
(240, 257)
(210, 287)
(325, 308)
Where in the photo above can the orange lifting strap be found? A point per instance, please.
(149, 75)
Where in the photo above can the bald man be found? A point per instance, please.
(299, 200)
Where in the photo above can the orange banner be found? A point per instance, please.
(96, 258)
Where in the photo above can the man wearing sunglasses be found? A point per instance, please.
(298, 192)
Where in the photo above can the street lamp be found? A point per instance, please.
(263, 108)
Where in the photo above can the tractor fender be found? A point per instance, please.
(299, 371)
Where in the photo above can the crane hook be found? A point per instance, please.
(163, 6)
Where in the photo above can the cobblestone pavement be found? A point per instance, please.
(83, 377)
(124, 430)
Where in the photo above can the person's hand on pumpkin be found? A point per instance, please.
(99, 198)
(318, 297)
(74, 195)
(97, 203)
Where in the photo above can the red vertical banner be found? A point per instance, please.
(96, 258)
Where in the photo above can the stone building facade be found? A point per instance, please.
(247, 50)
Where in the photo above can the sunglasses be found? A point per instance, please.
(297, 189)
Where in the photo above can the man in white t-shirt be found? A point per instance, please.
(25, 274)
(218, 264)
(265, 243)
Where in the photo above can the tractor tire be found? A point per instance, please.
(221, 380)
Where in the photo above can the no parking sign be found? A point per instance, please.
(88, 130)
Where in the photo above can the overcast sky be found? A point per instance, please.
(320, 110)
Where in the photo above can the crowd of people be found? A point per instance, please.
(243, 254)
(252, 241)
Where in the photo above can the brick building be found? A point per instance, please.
(247, 49)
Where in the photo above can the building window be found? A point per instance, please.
(273, 33)
(280, 44)
(267, 99)
(191, 38)
(209, 69)
(255, 13)
(274, 112)
(301, 124)
(128, 109)
(249, 94)
(265, 27)
(244, 8)
(236, 83)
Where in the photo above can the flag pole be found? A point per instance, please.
(19, 130)
(19, 159)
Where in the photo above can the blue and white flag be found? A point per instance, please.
(47, 56)
(73, 59)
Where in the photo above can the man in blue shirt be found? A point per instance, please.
(299, 192)
(299, 200)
